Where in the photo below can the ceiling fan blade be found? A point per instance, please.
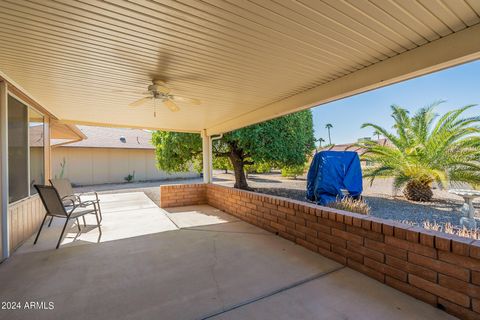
(130, 91)
(186, 100)
(171, 105)
(140, 102)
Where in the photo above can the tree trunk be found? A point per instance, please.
(237, 159)
(418, 191)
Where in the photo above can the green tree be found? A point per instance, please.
(221, 163)
(426, 149)
(329, 126)
(280, 142)
(377, 133)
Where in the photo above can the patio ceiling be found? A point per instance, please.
(248, 61)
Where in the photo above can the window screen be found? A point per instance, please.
(17, 150)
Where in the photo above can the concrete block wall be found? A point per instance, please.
(437, 268)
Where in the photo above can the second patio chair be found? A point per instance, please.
(55, 207)
(65, 189)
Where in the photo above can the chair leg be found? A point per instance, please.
(61, 234)
(99, 211)
(98, 221)
(40, 230)
(84, 222)
(78, 225)
(50, 223)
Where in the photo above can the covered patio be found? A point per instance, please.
(190, 262)
(210, 67)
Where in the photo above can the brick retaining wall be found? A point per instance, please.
(178, 195)
(440, 269)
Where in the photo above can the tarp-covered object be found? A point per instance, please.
(332, 171)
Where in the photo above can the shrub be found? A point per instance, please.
(293, 171)
(350, 204)
(130, 177)
(450, 229)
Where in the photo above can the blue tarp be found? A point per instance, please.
(332, 171)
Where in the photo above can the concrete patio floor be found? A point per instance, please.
(188, 263)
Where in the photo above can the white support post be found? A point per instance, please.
(207, 157)
(4, 171)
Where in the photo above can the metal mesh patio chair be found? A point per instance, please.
(55, 207)
(65, 189)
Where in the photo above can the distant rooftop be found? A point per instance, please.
(102, 137)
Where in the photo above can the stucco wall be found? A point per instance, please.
(87, 166)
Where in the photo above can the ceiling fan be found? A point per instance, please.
(159, 93)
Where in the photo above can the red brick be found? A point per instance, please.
(382, 247)
(475, 249)
(296, 220)
(413, 235)
(476, 277)
(278, 226)
(306, 230)
(411, 290)
(400, 232)
(387, 228)
(427, 238)
(288, 224)
(439, 266)
(460, 286)
(332, 255)
(332, 239)
(332, 224)
(296, 233)
(347, 236)
(466, 262)
(365, 233)
(318, 227)
(458, 311)
(307, 216)
(307, 244)
(357, 222)
(347, 253)
(383, 268)
(373, 254)
(461, 246)
(448, 294)
(286, 236)
(443, 242)
(366, 270)
(319, 242)
(366, 224)
(410, 246)
(476, 305)
(420, 271)
(288, 211)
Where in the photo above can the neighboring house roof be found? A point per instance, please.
(352, 146)
(103, 137)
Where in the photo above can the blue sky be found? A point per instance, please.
(458, 86)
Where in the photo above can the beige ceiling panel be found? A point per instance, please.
(247, 61)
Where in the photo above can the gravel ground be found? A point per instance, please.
(444, 207)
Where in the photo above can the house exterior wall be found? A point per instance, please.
(24, 218)
(440, 269)
(90, 166)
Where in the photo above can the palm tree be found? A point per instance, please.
(320, 140)
(377, 133)
(426, 149)
(329, 126)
